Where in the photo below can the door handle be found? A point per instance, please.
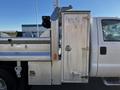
(103, 50)
(68, 48)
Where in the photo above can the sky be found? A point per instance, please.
(14, 13)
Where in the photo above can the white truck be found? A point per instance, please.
(74, 49)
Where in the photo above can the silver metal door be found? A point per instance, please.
(75, 46)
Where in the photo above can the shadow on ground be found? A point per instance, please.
(94, 84)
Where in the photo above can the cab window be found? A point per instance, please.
(111, 30)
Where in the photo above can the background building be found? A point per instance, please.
(32, 30)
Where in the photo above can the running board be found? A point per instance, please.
(111, 81)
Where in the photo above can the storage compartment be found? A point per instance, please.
(39, 73)
(75, 46)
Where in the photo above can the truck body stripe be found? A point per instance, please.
(24, 53)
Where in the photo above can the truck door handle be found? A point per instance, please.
(103, 50)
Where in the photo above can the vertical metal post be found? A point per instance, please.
(56, 63)
(55, 30)
(56, 3)
(36, 11)
(54, 37)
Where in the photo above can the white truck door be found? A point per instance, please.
(109, 47)
(75, 45)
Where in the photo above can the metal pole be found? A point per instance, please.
(56, 77)
(56, 3)
(36, 10)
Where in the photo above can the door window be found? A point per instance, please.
(111, 30)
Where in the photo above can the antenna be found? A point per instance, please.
(36, 11)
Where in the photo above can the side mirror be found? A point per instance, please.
(46, 21)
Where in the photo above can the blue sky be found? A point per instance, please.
(13, 13)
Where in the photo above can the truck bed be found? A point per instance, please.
(25, 49)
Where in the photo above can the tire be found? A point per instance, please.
(8, 79)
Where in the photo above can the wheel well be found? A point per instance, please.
(10, 65)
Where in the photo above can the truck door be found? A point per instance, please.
(75, 46)
(109, 47)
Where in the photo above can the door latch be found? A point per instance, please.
(68, 48)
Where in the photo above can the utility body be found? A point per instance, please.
(73, 49)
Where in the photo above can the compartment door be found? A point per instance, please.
(75, 46)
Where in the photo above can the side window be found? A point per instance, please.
(111, 29)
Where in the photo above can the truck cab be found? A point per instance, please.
(105, 47)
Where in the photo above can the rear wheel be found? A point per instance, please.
(7, 81)
(3, 85)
